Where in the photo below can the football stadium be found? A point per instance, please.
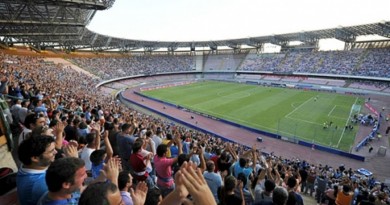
(90, 115)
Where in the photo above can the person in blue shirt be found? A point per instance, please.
(64, 179)
(214, 180)
(174, 150)
(36, 154)
(243, 164)
(40, 107)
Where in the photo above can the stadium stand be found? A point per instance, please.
(57, 111)
(108, 68)
(223, 62)
(38, 80)
(369, 62)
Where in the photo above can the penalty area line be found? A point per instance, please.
(346, 123)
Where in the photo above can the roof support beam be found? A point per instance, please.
(41, 34)
(45, 23)
(344, 35)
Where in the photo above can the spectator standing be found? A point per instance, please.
(93, 143)
(304, 174)
(138, 163)
(331, 195)
(215, 159)
(248, 197)
(311, 178)
(322, 182)
(345, 196)
(227, 195)
(163, 167)
(266, 194)
(214, 180)
(157, 138)
(242, 166)
(293, 197)
(125, 144)
(168, 141)
(279, 196)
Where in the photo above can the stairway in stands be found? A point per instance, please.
(67, 63)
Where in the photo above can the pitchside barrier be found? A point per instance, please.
(261, 132)
(365, 141)
(370, 136)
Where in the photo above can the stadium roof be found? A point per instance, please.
(62, 23)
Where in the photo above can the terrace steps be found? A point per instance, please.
(71, 65)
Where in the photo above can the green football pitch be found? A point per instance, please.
(291, 113)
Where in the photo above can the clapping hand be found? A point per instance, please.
(195, 183)
(139, 195)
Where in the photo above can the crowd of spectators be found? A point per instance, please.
(62, 122)
(359, 62)
(262, 62)
(114, 67)
(376, 63)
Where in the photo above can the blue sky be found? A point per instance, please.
(184, 20)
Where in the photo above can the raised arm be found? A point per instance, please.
(59, 133)
(232, 152)
(180, 148)
(254, 157)
(178, 142)
(96, 129)
(247, 153)
(202, 166)
(107, 143)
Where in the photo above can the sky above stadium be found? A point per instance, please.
(204, 20)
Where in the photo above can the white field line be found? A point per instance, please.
(346, 123)
(330, 113)
(331, 110)
(298, 107)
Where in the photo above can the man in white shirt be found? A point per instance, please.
(157, 138)
(93, 143)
